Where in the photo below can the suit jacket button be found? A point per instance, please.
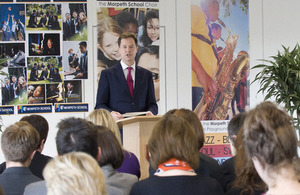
(132, 103)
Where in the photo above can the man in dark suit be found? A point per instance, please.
(14, 86)
(74, 23)
(67, 27)
(6, 92)
(74, 135)
(126, 87)
(50, 20)
(19, 142)
(33, 20)
(82, 68)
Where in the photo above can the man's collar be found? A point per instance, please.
(124, 66)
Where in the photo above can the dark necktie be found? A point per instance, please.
(130, 81)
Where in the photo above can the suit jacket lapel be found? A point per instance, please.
(138, 79)
(121, 77)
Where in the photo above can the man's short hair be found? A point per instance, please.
(127, 36)
(111, 150)
(18, 141)
(40, 124)
(83, 43)
(74, 172)
(76, 135)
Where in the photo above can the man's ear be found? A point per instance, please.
(42, 144)
(98, 154)
(32, 155)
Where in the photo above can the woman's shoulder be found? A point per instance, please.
(176, 184)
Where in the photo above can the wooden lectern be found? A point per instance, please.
(136, 133)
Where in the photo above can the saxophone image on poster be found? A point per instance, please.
(228, 74)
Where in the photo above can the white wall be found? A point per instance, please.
(272, 23)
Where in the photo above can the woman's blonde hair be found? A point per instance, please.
(104, 118)
(74, 173)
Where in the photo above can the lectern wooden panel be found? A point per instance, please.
(136, 133)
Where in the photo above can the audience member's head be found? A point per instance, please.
(172, 111)
(77, 135)
(247, 178)
(173, 137)
(19, 142)
(270, 141)
(111, 150)
(235, 125)
(104, 118)
(41, 125)
(192, 118)
(74, 173)
(269, 135)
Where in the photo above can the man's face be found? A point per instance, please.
(128, 50)
(14, 79)
(67, 16)
(49, 43)
(69, 86)
(151, 63)
(74, 15)
(82, 49)
(52, 87)
(6, 81)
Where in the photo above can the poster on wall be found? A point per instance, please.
(12, 17)
(140, 18)
(34, 40)
(220, 65)
(43, 17)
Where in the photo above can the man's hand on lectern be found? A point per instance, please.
(116, 115)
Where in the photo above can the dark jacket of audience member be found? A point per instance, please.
(174, 138)
(111, 158)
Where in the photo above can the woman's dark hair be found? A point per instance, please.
(149, 16)
(111, 150)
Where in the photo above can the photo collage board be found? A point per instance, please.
(43, 51)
